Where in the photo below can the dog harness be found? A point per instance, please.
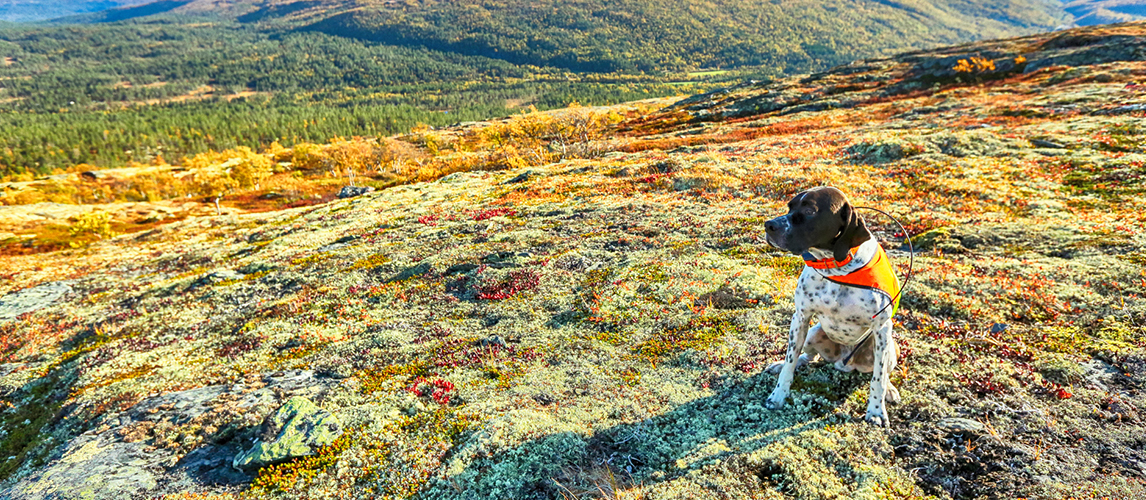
(876, 275)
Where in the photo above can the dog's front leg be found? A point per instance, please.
(882, 366)
(796, 337)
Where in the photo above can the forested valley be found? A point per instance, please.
(166, 80)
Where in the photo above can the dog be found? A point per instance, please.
(848, 285)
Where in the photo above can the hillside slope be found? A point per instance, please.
(586, 316)
(647, 35)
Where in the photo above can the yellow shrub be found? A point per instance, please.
(251, 170)
(214, 184)
(223, 171)
(535, 138)
(94, 223)
(425, 136)
(358, 155)
(22, 197)
(975, 64)
(307, 156)
(278, 153)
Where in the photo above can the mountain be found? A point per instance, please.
(581, 303)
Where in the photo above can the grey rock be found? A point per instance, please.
(522, 177)
(959, 424)
(572, 262)
(256, 267)
(206, 467)
(999, 327)
(216, 277)
(103, 466)
(296, 429)
(179, 406)
(93, 466)
(499, 260)
(491, 342)
(1043, 143)
(411, 272)
(352, 191)
(32, 299)
(336, 244)
(462, 268)
(1099, 373)
(1121, 110)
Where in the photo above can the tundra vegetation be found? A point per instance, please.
(579, 303)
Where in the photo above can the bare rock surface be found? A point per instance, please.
(124, 459)
(32, 299)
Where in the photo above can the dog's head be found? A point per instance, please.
(818, 218)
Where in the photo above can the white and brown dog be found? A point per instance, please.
(848, 285)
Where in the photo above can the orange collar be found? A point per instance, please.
(876, 274)
(828, 263)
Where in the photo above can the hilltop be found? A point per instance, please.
(579, 303)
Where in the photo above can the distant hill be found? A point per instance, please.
(1092, 12)
(36, 10)
(645, 35)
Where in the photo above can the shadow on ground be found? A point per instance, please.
(738, 444)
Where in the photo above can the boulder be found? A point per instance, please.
(298, 428)
(352, 191)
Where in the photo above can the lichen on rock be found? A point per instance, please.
(298, 428)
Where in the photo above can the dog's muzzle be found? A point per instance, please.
(776, 232)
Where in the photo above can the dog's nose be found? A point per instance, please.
(771, 226)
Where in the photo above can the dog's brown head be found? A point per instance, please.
(818, 218)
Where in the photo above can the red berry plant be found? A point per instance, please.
(439, 390)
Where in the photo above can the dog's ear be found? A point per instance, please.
(854, 232)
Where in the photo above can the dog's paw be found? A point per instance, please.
(843, 367)
(877, 418)
(776, 400)
(777, 367)
(892, 395)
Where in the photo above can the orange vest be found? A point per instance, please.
(876, 275)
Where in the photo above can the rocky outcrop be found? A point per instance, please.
(298, 428)
(133, 454)
(352, 191)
